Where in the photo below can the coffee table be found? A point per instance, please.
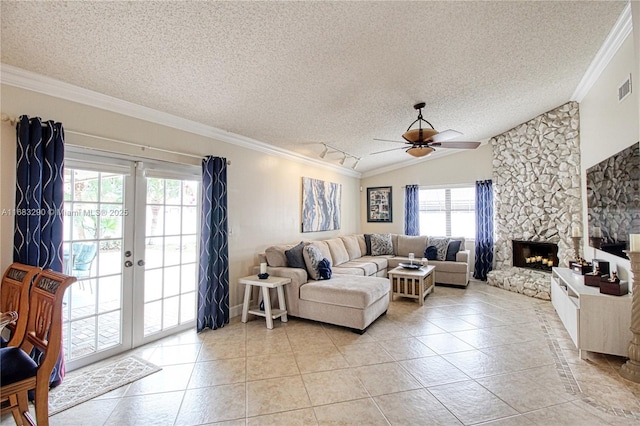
(412, 283)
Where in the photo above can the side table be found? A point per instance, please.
(270, 314)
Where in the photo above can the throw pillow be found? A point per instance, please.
(452, 250)
(312, 258)
(431, 253)
(295, 259)
(367, 243)
(381, 244)
(441, 243)
(324, 269)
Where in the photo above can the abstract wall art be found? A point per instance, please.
(320, 205)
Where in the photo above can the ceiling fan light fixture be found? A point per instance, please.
(419, 135)
(420, 151)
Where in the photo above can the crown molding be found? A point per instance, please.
(23, 79)
(609, 48)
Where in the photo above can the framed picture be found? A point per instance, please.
(379, 204)
(320, 205)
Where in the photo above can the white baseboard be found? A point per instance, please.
(235, 311)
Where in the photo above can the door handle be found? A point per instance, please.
(140, 262)
(128, 264)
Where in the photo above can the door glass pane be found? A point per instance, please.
(170, 252)
(93, 233)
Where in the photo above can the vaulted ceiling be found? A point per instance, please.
(299, 74)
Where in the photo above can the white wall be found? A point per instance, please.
(464, 167)
(607, 127)
(265, 191)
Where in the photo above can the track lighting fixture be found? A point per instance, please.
(328, 149)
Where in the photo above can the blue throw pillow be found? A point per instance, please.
(324, 269)
(431, 253)
(295, 259)
(452, 250)
(367, 243)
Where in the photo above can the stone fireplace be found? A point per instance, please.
(537, 196)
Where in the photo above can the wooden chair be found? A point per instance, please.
(20, 373)
(14, 296)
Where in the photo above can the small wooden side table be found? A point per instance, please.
(270, 314)
(413, 283)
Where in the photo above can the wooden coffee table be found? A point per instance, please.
(413, 283)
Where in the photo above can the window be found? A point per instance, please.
(448, 212)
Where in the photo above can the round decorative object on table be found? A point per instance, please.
(263, 276)
(410, 265)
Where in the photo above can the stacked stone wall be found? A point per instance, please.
(536, 183)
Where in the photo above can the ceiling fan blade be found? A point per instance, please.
(445, 135)
(387, 150)
(387, 140)
(457, 145)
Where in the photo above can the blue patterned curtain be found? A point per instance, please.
(39, 193)
(213, 285)
(38, 227)
(412, 210)
(484, 229)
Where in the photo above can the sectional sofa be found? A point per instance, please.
(358, 291)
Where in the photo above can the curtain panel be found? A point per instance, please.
(38, 229)
(484, 229)
(39, 193)
(412, 210)
(213, 280)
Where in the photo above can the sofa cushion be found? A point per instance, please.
(411, 244)
(441, 244)
(324, 249)
(381, 244)
(275, 255)
(312, 258)
(338, 251)
(352, 246)
(294, 256)
(346, 290)
(362, 243)
(380, 261)
(355, 267)
(452, 249)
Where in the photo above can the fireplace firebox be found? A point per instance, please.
(541, 256)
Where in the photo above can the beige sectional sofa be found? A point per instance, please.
(358, 292)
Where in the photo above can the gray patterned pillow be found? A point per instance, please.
(381, 244)
(441, 244)
(312, 258)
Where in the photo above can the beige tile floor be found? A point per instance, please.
(479, 355)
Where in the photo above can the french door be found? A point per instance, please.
(130, 237)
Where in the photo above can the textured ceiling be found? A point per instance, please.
(296, 74)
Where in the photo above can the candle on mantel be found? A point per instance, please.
(597, 232)
(575, 232)
(634, 242)
(263, 268)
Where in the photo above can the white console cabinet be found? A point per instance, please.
(596, 322)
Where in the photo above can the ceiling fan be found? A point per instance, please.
(423, 141)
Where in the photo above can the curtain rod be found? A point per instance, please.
(13, 121)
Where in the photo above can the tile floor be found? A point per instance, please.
(479, 355)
